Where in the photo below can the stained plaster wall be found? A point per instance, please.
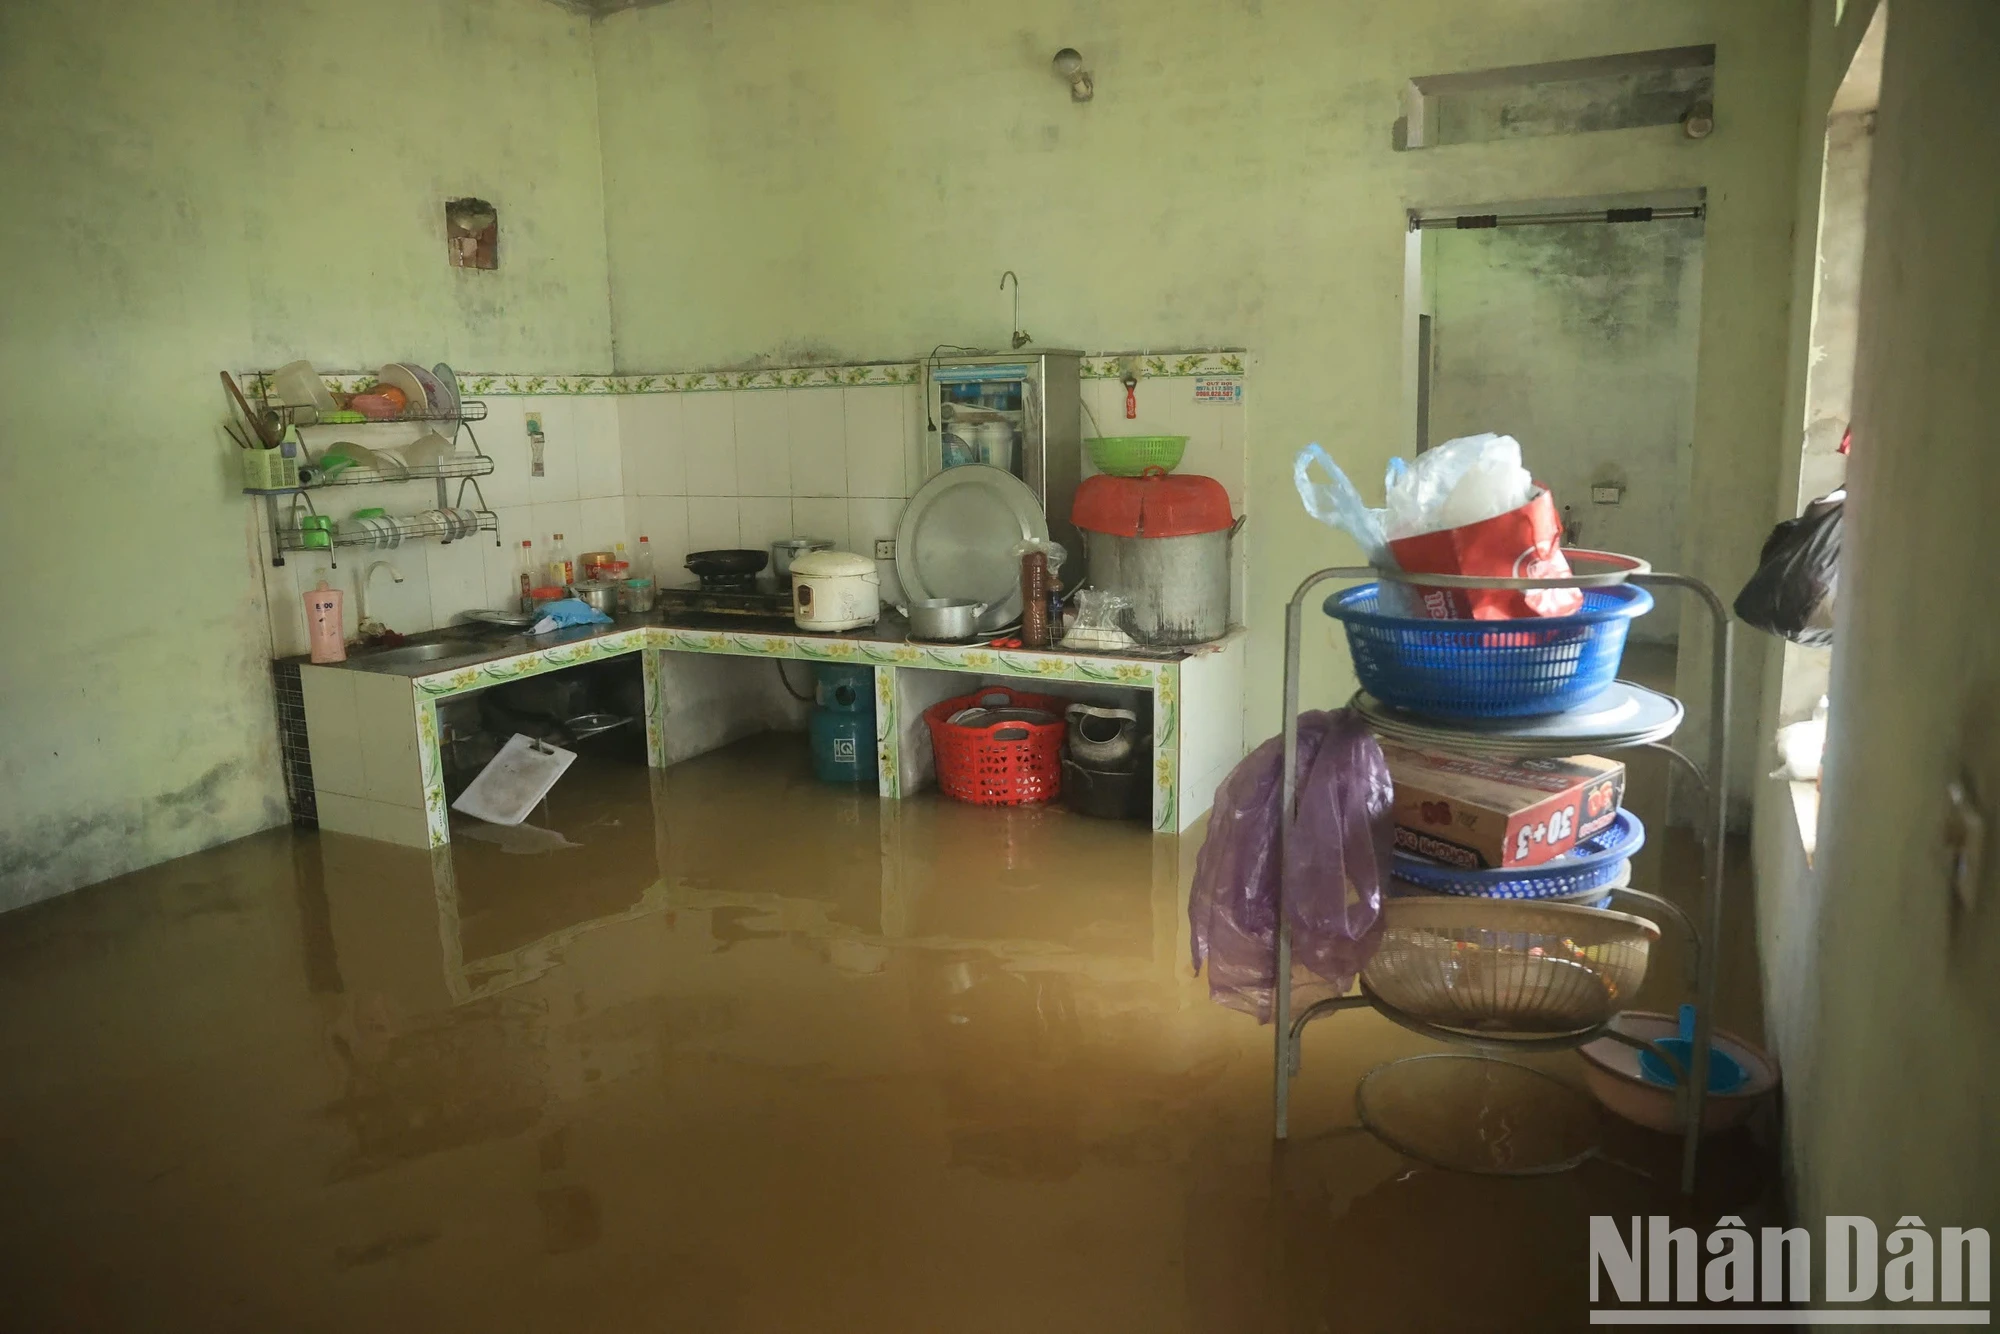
(788, 180)
(1581, 340)
(774, 196)
(1790, 899)
(1892, 1102)
(220, 184)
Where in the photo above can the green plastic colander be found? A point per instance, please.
(1131, 455)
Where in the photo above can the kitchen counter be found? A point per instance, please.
(469, 645)
(377, 763)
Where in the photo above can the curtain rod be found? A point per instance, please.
(1479, 221)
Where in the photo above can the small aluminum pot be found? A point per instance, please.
(785, 552)
(601, 594)
(943, 618)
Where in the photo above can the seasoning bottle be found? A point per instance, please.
(527, 572)
(561, 573)
(1035, 599)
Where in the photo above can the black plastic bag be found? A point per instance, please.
(1792, 593)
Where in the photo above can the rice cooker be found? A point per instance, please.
(835, 590)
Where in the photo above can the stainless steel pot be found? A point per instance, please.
(943, 618)
(785, 552)
(1101, 738)
(599, 593)
(1179, 586)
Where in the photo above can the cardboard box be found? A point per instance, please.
(1486, 814)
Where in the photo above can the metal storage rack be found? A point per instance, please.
(465, 469)
(1519, 739)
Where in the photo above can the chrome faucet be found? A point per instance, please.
(361, 586)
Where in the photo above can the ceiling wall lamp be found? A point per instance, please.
(1069, 66)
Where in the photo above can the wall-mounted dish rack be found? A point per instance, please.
(287, 534)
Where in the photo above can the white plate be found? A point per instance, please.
(434, 399)
(957, 536)
(448, 379)
(399, 375)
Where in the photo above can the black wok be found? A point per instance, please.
(728, 560)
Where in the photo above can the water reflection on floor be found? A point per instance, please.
(723, 1049)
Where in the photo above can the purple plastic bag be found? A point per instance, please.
(1334, 874)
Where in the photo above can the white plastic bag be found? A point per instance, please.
(1459, 482)
(1335, 503)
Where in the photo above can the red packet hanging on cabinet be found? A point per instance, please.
(1523, 543)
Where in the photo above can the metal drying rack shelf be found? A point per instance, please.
(1503, 740)
(465, 469)
(415, 529)
(457, 467)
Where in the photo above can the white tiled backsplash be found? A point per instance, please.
(717, 468)
(749, 467)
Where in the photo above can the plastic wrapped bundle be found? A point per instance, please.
(1334, 871)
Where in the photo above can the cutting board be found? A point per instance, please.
(516, 780)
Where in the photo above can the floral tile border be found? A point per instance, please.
(502, 384)
(888, 755)
(458, 680)
(1161, 365)
(430, 766)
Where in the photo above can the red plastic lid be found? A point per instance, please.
(1160, 504)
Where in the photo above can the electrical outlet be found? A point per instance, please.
(1606, 495)
(885, 548)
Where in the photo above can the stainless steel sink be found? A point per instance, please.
(407, 653)
(416, 656)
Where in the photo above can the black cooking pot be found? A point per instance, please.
(727, 560)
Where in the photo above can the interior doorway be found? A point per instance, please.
(1573, 326)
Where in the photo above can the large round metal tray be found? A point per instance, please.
(957, 537)
(1622, 715)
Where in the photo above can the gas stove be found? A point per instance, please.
(727, 597)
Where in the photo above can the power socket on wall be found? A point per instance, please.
(885, 548)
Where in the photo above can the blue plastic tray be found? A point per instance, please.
(1591, 864)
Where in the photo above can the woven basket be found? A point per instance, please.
(1497, 966)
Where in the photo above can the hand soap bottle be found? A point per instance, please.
(323, 624)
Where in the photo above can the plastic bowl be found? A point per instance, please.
(1611, 1072)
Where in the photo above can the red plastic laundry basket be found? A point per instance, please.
(1005, 763)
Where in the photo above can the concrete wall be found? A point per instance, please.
(1790, 905)
(208, 185)
(1892, 1109)
(1580, 340)
(787, 180)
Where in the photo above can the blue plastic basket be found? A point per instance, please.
(1488, 669)
(1591, 864)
